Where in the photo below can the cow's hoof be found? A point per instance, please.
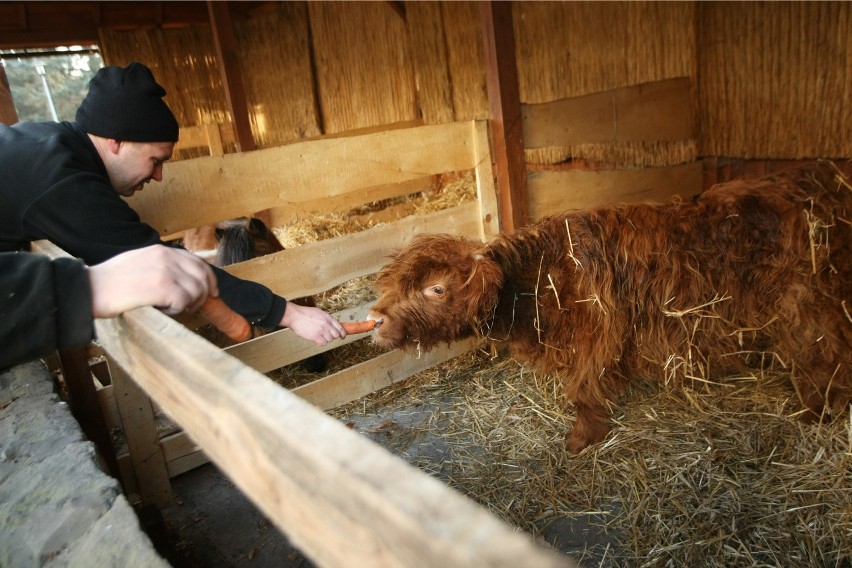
(575, 443)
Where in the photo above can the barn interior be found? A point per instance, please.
(352, 126)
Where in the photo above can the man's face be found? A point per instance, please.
(137, 163)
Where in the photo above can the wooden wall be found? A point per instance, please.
(775, 79)
(768, 80)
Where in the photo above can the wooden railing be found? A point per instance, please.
(339, 497)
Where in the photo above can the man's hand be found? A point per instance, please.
(172, 280)
(312, 323)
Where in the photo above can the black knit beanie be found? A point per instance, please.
(126, 103)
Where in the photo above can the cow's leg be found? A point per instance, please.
(819, 390)
(592, 425)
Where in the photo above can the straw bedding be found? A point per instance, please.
(711, 473)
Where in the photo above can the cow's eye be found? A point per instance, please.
(438, 290)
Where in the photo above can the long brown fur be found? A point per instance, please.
(748, 273)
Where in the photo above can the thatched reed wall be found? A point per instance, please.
(770, 80)
(775, 79)
(364, 74)
(279, 81)
(275, 62)
(462, 29)
(430, 60)
(183, 61)
(570, 49)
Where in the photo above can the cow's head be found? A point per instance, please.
(437, 289)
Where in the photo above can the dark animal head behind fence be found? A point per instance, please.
(246, 238)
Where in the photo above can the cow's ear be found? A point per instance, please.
(483, 284)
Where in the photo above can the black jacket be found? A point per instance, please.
(44, 306)
(53, 185)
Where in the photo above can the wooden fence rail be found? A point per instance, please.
(339, 497)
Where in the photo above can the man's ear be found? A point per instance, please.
(113, 145)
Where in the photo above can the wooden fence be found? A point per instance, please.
(339, 497)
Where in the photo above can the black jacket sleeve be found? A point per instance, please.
(44, 306)
(87, 219)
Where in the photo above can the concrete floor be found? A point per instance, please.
(214, 525)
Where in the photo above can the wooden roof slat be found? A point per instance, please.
(50, 24)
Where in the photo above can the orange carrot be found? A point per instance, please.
(227, 320)
(358, 326)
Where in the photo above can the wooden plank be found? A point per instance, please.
(8, 114)
(505, 112)
(486, 191)
(371, 129)
(204, 136)
(325, 264)
(109, 408)
(143, 439)
(187, 462)
(283, 347)
(337, 203)
(50, 24)
(232, 79)
(206, 190)
(656, 111)
(191, 137)
(182, 454)
(85, 405)
(367, 377)
(339, 497)
(213, 136)
(555, 191)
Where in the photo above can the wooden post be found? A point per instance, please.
(226, 49)
(505, 110)
(143, 439)
(85, 405)
(8, 114)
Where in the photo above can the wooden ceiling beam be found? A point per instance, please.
(51, 24)
(8, 114)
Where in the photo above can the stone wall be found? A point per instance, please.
(57, 506)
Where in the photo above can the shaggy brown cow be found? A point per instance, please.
(686, 288)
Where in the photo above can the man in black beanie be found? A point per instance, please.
(63, 182)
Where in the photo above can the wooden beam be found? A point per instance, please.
(352, 255)
(555, 191)
(232, 80)
(505, 112)
(364, 378)
(85, 405)
(340, 498)
(8, 114)
(211, 188)
(143, 439)
(51, 24)
(659, 110)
